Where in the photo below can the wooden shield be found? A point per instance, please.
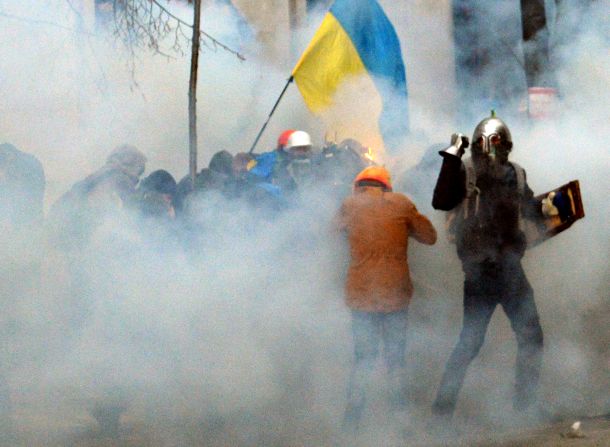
(570, 210)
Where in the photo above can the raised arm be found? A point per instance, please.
(450, 187)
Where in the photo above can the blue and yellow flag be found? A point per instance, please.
(356, 40)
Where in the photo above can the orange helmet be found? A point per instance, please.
(375, 173)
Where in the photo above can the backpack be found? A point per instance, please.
(470, 205)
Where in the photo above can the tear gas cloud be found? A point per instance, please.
(243, 338)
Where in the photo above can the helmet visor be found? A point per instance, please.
(489, 144)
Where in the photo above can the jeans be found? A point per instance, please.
(369, 331)
(486, 285)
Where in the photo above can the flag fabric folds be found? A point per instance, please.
(356, 39)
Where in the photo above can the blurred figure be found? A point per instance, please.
(288, 165)
(218, 176)
(22, 185)
(299, 166)
(378, 223)
(183, 189)
(77, 212)
(338, 164)
(257, 192)
(222, 163)
(96, 240)
(157, 195)
(74, 225)
(240, 163)
(487, 197)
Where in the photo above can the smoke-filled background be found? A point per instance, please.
(242, 337)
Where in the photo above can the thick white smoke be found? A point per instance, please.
(243, 338)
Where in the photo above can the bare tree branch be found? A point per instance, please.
(208, 36)
(43, 22)
(149, 24)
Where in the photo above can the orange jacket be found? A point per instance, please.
(378, 226)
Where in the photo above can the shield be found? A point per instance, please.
(569, 204)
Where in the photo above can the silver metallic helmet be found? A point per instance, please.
(491, 140)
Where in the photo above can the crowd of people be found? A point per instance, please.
(268, 181)
(486, 196)
(170, 216)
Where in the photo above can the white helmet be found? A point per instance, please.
(298, 138)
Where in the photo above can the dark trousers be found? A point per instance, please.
(370, 331)
(487, 285)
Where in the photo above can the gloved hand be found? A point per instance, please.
(459, 143)
(548, 209)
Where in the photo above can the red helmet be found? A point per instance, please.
(283, 139)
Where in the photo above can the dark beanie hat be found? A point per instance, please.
(222, 162)
(160, 181)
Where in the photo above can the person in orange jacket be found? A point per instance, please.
(378, 223)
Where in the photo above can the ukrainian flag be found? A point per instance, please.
(355, 40)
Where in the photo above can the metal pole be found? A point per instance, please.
(290, 79)
(193, 92)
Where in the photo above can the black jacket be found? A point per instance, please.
(491, 231)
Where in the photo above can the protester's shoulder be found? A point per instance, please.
(399, 199)
(349, 200)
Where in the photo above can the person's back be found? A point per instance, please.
(378, 225)
(378, 288)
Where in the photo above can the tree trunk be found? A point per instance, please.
(193, 91)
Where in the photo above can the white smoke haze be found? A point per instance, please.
(242, 338)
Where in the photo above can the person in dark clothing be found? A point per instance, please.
(222, 162)
(488, 198)
(157, 194)
(183, 189)
(338, 164)
(217, 176)
(75, 215)
(22, 185)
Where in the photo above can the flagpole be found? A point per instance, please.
(290, 79)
